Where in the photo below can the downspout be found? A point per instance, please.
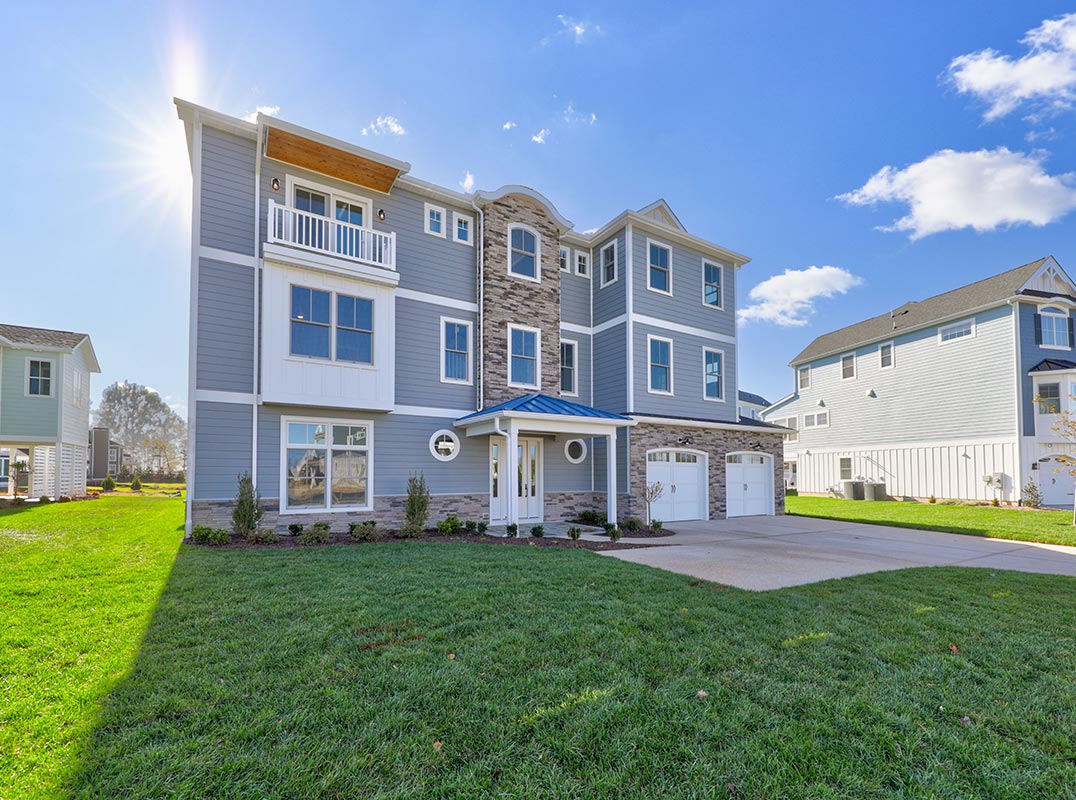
(1018, 475)
(257, 306)
(480, 363)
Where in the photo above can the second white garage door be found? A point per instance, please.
(749, 483)
(682, 473)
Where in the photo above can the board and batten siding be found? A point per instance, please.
(225, 327)
(24, 416)
(227, 197)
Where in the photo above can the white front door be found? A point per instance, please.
(529, 493)
(682, 475)
(1055, 483)
(748, 485)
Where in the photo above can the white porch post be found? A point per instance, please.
(610, 477)
(511, 465)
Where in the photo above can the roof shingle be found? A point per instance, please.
(41, 337)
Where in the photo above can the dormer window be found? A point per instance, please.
(524, 257)
(1052, 329)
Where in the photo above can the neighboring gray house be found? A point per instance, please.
(45, 406)
(954, 396)
(352, 325)
(752, 405)
(106, 455)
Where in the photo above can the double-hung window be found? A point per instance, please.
(848, 367)
(327, 464)
(565, 259)
(354, 329)
(1049, 398)
(713, 382)
(711, 284)
(846, 469)
(1054, 326)
(435, 220)
(660, 268)
(803, 377)
(661, 368)
(582, 263)
(885, 355)
(455, 350)
(311, 322)
(462, 231)
(39, 378)
(608, 264)
(523, 253)
(524, 369)
(568, 355)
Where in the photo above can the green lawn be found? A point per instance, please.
(410, 669)
(1052, 527)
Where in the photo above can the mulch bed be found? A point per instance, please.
(648, 533)
(235, 543)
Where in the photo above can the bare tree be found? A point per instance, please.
(1065, 428)
(653, 493)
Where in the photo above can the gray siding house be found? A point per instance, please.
(953, 397)
(352, 325)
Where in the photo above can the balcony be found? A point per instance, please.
(330, 237)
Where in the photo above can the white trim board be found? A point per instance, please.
(437, 300)
(226, 256)
(214, 396)
(644, 319)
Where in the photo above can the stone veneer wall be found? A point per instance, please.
(565, 506)
(717, 443)
(511, 299)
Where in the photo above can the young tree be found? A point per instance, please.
(653, 493)
(1065, 428)
(150, 430)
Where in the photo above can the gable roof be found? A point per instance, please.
(754, 399)
(47, 339)
(661, 212)
(923, 313)
(537, 403)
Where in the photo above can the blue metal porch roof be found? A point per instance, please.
(538, 403)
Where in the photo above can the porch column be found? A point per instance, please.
(610, 477)
(511, 466)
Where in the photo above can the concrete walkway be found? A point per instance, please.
(773, 552)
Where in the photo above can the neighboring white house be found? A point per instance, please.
(954, 396)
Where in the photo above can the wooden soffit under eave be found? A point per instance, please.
(318, 157)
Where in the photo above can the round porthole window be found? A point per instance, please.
(445, 445)
(575, 450)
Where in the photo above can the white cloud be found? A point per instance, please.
(269, 111)
(578, 30)
(539, 138)
(571, 116)
(384, 124)
(590, 231)
(788, 299)
(468, 181)
(981, 190)
(1044, 78)
(509, 125)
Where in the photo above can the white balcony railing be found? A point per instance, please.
(329, 236)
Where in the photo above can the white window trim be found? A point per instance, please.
(328, 508)
(721, 397)
(649, 364)
(579, 254)
(958, 324)
(426, 209)
(806, 371)
(437, 435)
(1060, 396)
(575, 367)
(333, 325)
(53, 377)
(332, 195)
(537, 357)
(721, 277)
(1052, 312)
(456, 216)
(790, 438)
(537, 252)
(814, 419)
(655, 243)
(602, 282)
(582, 458)
(470, 351)
(892, 355)
(855, 367)
(851, 468)
(567, 258)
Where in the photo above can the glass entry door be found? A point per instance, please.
(529, 494)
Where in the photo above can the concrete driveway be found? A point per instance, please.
(774, 552)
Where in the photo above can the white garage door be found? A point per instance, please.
(749, 485)
(683, 477)
(1055, 483)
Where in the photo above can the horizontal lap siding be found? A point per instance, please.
(575, 298)
(687, 359)
(225, 327)
(610, 365)
(28, 416)
(222, 448)
(609, 301)
(561, 475)
(227, 196)
(1031, 353)
(418, 357)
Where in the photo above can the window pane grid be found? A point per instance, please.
(713, 375)
(323, 473)
(567, 367)
(660, 366)
(524, 359)
(456, 351)
(711, 284)
(659, 268)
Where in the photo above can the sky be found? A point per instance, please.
(860, 155)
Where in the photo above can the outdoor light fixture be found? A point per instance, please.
(381, 214)
(276, 184)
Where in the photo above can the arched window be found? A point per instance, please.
(524, 253)
(1054, 324)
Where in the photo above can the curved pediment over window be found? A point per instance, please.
(482, 198)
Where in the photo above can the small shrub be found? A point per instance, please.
(17, 501)
(932, 499)
(318, 533)
(449, 526)
(512, 531)
(595, 518)
(136, 484)
(247, 514)
(633, 524)
(470, 526)
(574, 532)
(364, 531)
(614, 534)
(538, 531)
(656, 524)
(995, 503)
(263, 536)
(44, 500)
(214, 537)
(609, 528)
(64, 498)
(1032, 495)
(417, 508)
(108, 484)
(296, 528)
(483, 527)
